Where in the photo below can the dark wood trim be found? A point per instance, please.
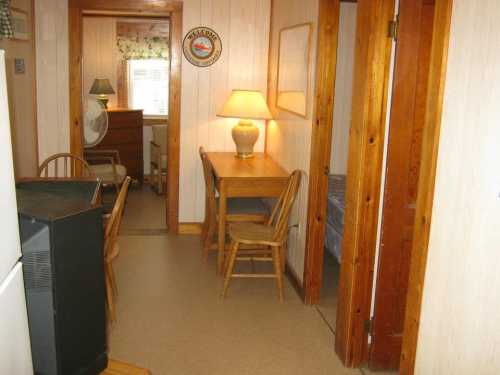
(366, 147)
(326, 63)
(370, 90)
(174, 119)
(434, 107)
(75, 27)
(131, 6)
(407, 110)
(145, 8)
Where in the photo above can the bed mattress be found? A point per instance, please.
(333, 241)
(335, 214)
(336, 201)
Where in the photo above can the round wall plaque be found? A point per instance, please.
(202, 46)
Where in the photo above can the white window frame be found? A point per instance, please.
(130, 94)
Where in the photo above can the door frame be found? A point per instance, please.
(141, 8)
(366, 145)
(427, 179)
(370, 95)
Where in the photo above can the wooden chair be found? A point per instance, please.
(238, 209)
(270, 237)
(64, 165)
(158, 157)
(111, 249)
(107, 165)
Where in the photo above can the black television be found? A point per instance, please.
(62, 245)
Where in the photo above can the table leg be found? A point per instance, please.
(222, 227)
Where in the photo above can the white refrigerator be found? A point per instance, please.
(15, 352)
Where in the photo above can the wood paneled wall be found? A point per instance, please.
(52, 76)
(100, 54)
(460, 320)
(243, 26)
(22, 97)
(289, 136)
(343, 88)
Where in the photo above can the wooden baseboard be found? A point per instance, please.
(295, 281)
(122, 368)
(190, 228)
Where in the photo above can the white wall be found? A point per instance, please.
(289, 136)
(100, 54)
(343, 88)
(460, 323)
(243, 26)
(22, 97)
(52, 70)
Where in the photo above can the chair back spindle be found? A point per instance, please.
(281, 212)
(209, 185)
(64, 165)
(113, 224)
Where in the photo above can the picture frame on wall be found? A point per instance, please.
(20, 24)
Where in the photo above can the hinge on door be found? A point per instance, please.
(369, 326)
(326, 170)
(394, 28)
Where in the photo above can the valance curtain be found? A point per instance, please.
(141, 48)
(6, 30)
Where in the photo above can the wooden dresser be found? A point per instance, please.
(125, 135)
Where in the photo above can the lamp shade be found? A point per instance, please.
(246, 104)
(101, 86)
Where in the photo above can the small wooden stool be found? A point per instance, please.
(122, 368)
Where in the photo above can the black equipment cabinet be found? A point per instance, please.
(62, 244)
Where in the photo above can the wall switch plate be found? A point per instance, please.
(19, 66)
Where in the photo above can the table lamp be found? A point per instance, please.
(102, 87)
(247, 105)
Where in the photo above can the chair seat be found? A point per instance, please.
(252, 233)
(163, 162)
(246, 206)
(106, 174)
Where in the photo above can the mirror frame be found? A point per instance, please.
(308, 68)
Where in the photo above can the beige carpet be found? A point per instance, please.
(145, 209)
(172, 321)
(328, 302)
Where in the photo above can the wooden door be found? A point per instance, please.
(414, 39)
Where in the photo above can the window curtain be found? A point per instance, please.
(6, 30)
(141, 48)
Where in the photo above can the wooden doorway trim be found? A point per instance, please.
(326, 64)
(366, 145)
(425, 200)
(140, 8)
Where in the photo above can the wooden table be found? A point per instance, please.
(259, 176)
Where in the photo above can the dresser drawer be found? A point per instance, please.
(121, 136)
(125, 119)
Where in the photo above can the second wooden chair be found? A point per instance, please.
(111, 249)
(270, 237)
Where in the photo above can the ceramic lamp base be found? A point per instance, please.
(245, 135)
(103, 100)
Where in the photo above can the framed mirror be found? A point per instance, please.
(293, 69)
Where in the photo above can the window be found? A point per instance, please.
(148, 86)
